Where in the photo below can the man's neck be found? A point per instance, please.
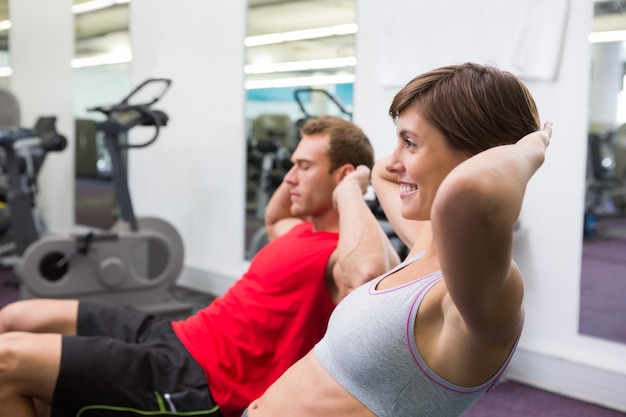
(328, 222)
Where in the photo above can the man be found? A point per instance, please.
(95, 360)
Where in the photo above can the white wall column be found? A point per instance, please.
(41, 46)
(194, 175)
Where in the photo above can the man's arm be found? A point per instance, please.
(278, 217)
(364, 250)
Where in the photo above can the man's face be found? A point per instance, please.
(311, 184)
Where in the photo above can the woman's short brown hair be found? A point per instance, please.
(475, 107)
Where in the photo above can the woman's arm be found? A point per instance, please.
(473, 218)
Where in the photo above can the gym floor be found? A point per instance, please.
(603, 281)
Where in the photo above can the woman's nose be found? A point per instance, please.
(394, 164)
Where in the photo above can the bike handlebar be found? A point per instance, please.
(133, 111)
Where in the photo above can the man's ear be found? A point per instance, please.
(344, 170)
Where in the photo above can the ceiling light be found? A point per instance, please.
(90, 6)
(5, 25)
(608, 36)
(103, 59)
(297, 35)
(300, 81)
(5, 71)
(300, 65)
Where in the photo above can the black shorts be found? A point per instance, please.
(126, 363)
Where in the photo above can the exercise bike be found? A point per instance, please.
(23, 154)
(134, 263)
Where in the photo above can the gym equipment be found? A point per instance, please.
(606, 181)
(10, 113)
(300, 93)
(24, 151)
(133, 264)
(619, 190)
(314, 95)
(269, 147)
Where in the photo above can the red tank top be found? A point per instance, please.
(266, 321)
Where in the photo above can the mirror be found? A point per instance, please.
(300, 60)
(101, 75)
(4, 44)
(147, 93)
(603, 264)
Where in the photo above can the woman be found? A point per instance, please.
(433, 335)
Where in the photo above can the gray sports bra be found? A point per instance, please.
(370, 349)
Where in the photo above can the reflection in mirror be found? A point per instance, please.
(148, 92)
(5, 25)
(300, 63)
(603, 269)
(101, 75)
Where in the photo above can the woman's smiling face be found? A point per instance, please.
(421, 159)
